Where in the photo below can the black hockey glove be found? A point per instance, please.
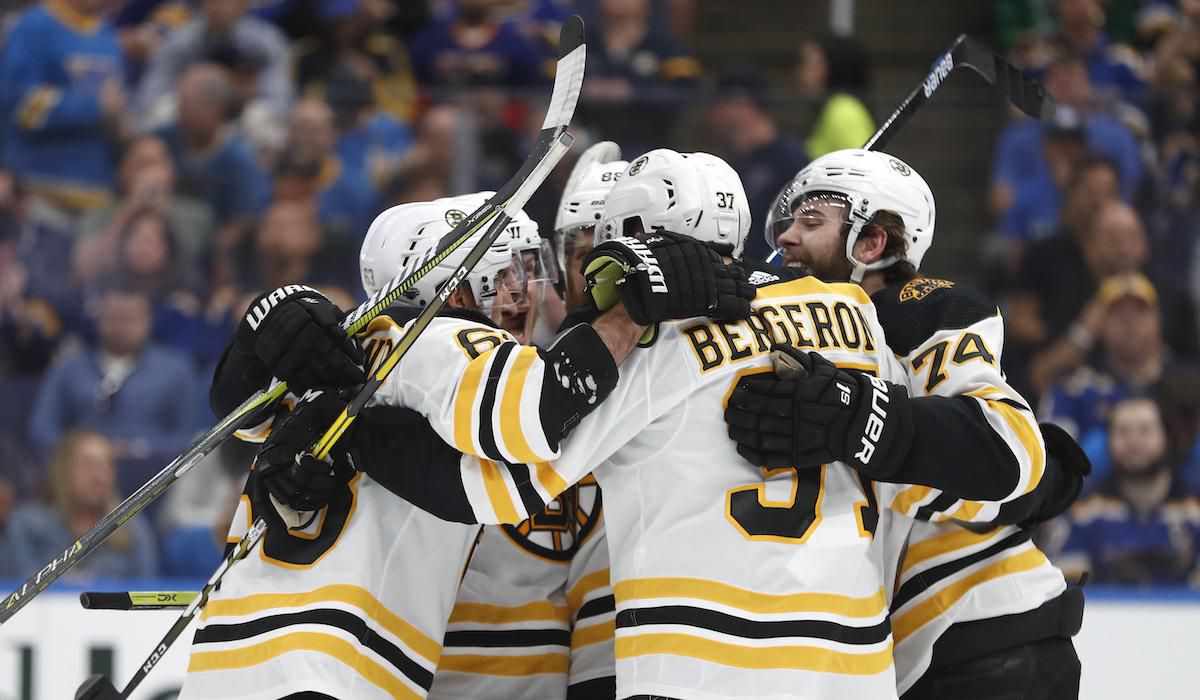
(295, 332)
(1066, 467)
(286, 470)
(810, 413)
(666, 276)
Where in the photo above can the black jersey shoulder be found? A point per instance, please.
(404, 314)
(912, 312)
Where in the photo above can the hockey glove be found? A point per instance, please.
(284, 468)
(666, 276)
(295, 332)
(1066, 466)
(810, 413)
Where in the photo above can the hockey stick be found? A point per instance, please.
(136, 600)
(554, 128)
(421, 322)
(1024, 92)
(567, 83)
(100, 687)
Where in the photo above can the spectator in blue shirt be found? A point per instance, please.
(474, 47)
(61, 82)
(1112, 67)
(222, 28)
(212, 163)
(1141, 527)
(83, 488)
(137, 393)
(1021, 160)
(764, 156)
(1132, 361)
(1037, 202)
(370, 139)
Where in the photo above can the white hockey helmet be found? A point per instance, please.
(869, 182)
(404, 236)
(594, 174)
(695, 194)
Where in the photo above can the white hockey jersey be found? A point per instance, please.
(950, 340)
(729, 581)
(356, 605)
(534, 612)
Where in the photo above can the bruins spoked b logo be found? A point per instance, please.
(454, 217)
(900, 167)
(638, 165)
(566, 522)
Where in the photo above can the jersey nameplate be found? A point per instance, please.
(807, 325)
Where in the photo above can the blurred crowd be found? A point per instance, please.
(164, 161)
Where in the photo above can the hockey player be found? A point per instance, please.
(534, 615)
(730, 581)
(975, 614)
(359, 596)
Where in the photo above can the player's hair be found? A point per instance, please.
(1090, 162)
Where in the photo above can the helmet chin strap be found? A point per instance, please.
(860, 218)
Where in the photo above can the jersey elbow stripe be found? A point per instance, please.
(913, 587)
(1024, 428)
(464, 405)
(511, 430)
(911, 620)
(911, 496)
(552, 482)
(498, 493)
(959, 538)
(488, 398)
(326, 644)
(803, 658)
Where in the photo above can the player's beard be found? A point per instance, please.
(830, 266)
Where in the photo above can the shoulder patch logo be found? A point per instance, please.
(638, 165)
(900, 167)
(454, 217)
(922, 287)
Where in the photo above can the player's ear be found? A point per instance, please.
(462, 298)
(871, 244)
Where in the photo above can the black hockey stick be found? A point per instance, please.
(1024, 92)
(100, 687)
(553, 133)
(567, 83)
(136, 600)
